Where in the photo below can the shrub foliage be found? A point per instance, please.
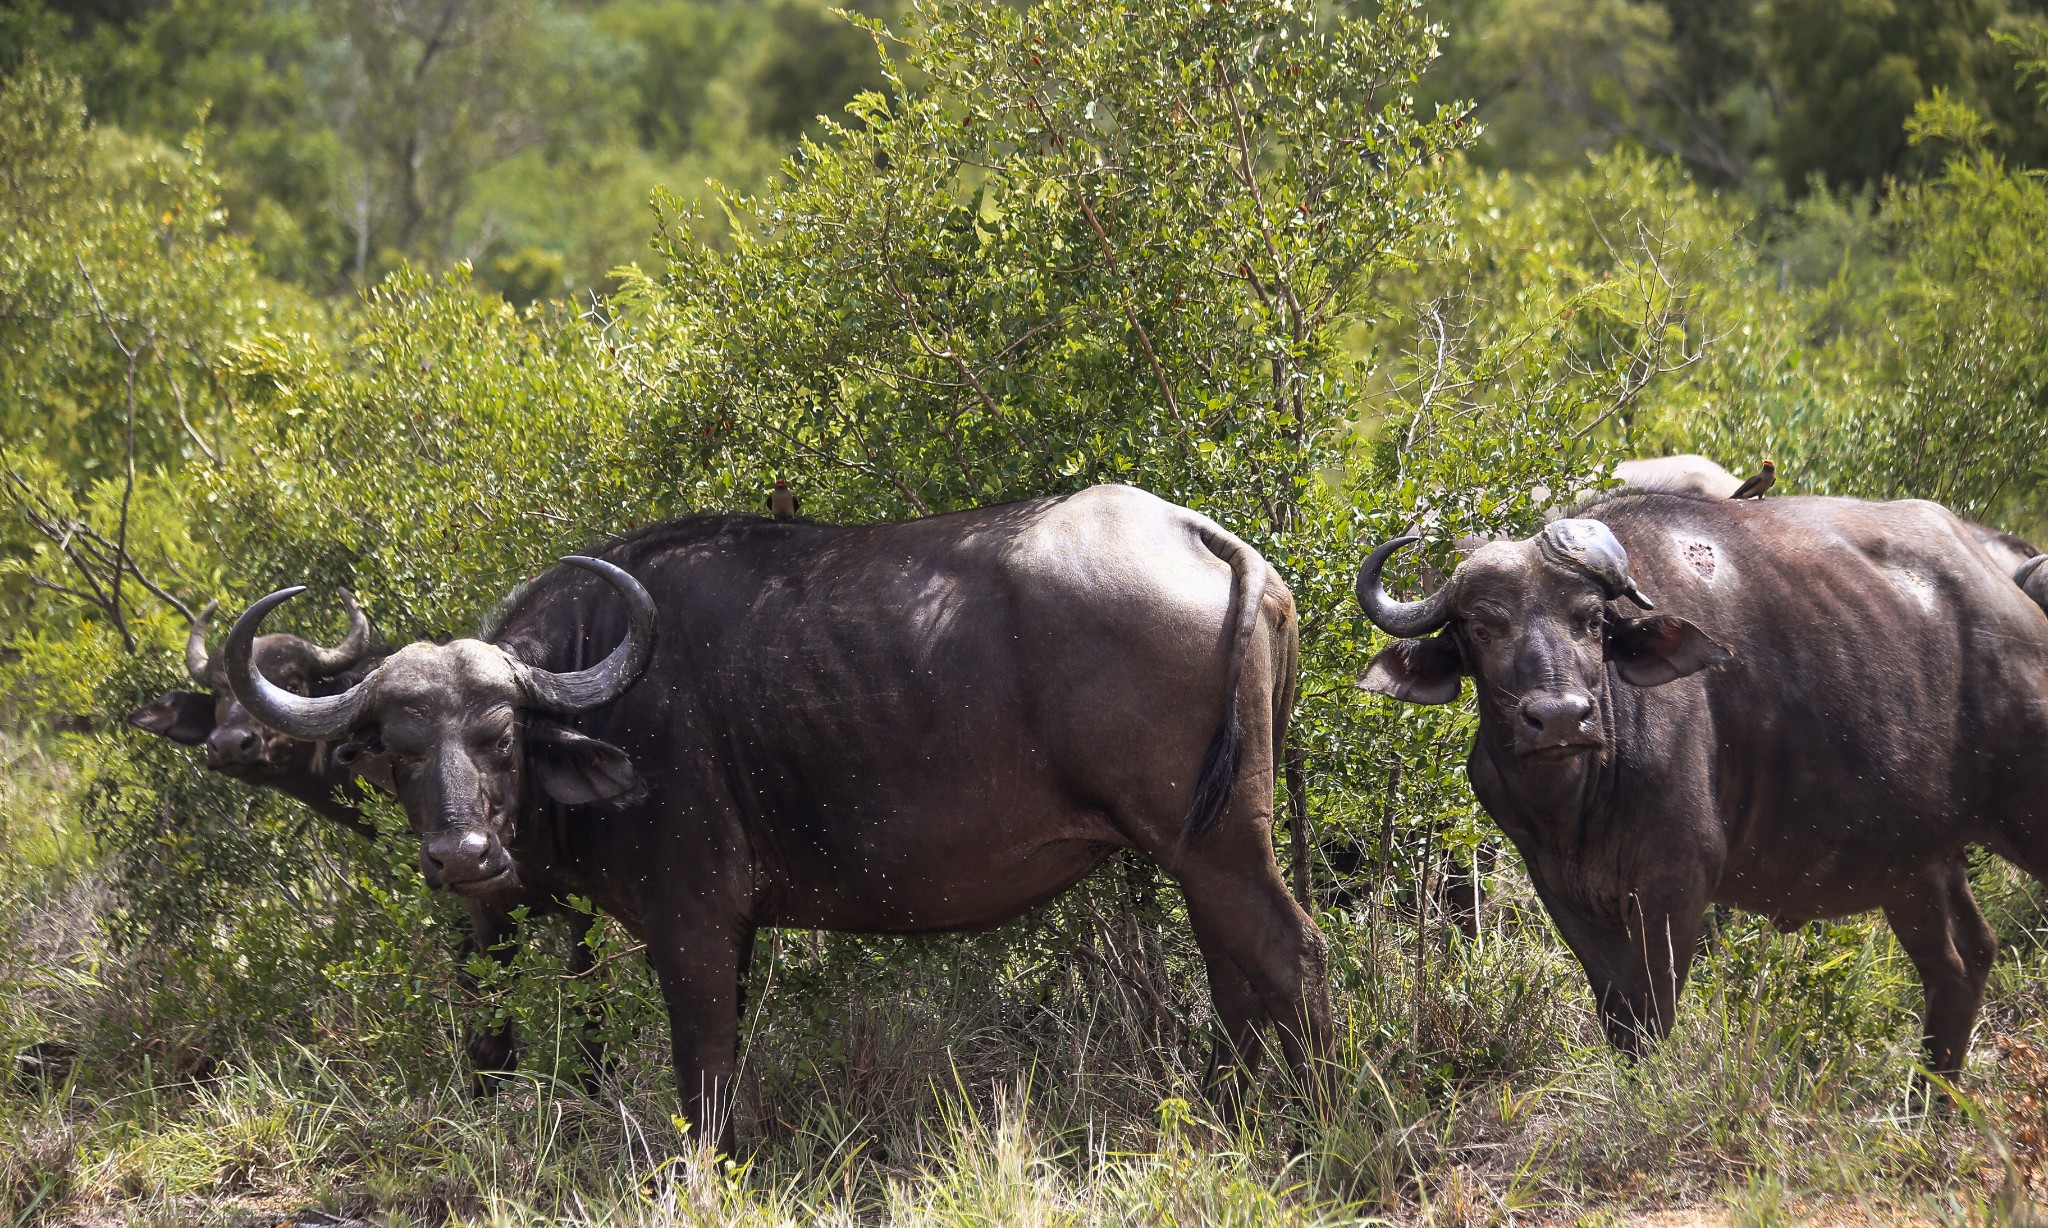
(1218, 250)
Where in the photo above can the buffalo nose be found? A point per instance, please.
(458, 856)
(1557, 718)
(236, 746)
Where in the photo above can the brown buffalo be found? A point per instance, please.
(898, 728)
(1691, 474)
(240, 747)
(1828, 702)
(237, 745)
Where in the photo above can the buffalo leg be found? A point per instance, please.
(1635, 966)
(493, 1050)
(699, 971)
(1462, 893)
(1938, 924)
(1235, 1060)
(1254, 935)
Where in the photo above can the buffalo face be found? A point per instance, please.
(1536, 624)
(234, 742)
(464, 731)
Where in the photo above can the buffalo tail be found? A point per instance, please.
(1219, 766)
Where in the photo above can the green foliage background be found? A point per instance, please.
(371, 295)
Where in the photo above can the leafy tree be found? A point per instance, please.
(253, 74)
(1077, 246)
(1778, 94)
(429, 93)
(680, 50)
(121, 305)
(457, 449)
(1851, 74)
(1911, 366)
(1957, 409)
(1552, 82)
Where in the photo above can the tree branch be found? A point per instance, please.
(133, 356)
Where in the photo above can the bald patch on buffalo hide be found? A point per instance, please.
(1700, 556)
(1919, 588)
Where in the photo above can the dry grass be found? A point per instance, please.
(944, 1082)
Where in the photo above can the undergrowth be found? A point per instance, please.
(935, 1081)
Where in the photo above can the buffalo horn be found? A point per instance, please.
(315, 719)
(608, 679)
(353, 647)
(2033, 581)
(197, 663)
(1590, 548)
(1403, 618)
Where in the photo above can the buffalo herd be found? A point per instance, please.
(1803, 706)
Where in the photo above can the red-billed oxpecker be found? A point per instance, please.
(1758, 484)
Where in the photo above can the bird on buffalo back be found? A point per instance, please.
(782, 501)
(1758, 483)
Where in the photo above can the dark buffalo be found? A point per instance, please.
(1830, 701)
(238, 746)
(926, 726)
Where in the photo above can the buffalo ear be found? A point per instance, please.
(363, 757)
(1653, 651)
(182, 716)
(574, 768)
(349, 754)
(1427, 671)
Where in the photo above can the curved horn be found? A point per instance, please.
(1403, 618)
(608, 679)
(296, 716)
(197, 663)
(2032, 580)
(353, 647)
(1590, 547)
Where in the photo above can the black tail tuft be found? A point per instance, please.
(1213, 786)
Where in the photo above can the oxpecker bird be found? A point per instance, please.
(782, 501)
(1758, 483)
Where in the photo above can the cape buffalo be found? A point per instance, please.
(1686, 473)
(237, 745)
(242, 748)
(899, 728)
(1831, 699)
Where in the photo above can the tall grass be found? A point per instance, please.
(935, 1082)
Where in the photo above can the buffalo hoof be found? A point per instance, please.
(44, 1064)
(493, 1056)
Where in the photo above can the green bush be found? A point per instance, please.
(1219, 251)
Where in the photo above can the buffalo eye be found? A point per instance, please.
(505, 741)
